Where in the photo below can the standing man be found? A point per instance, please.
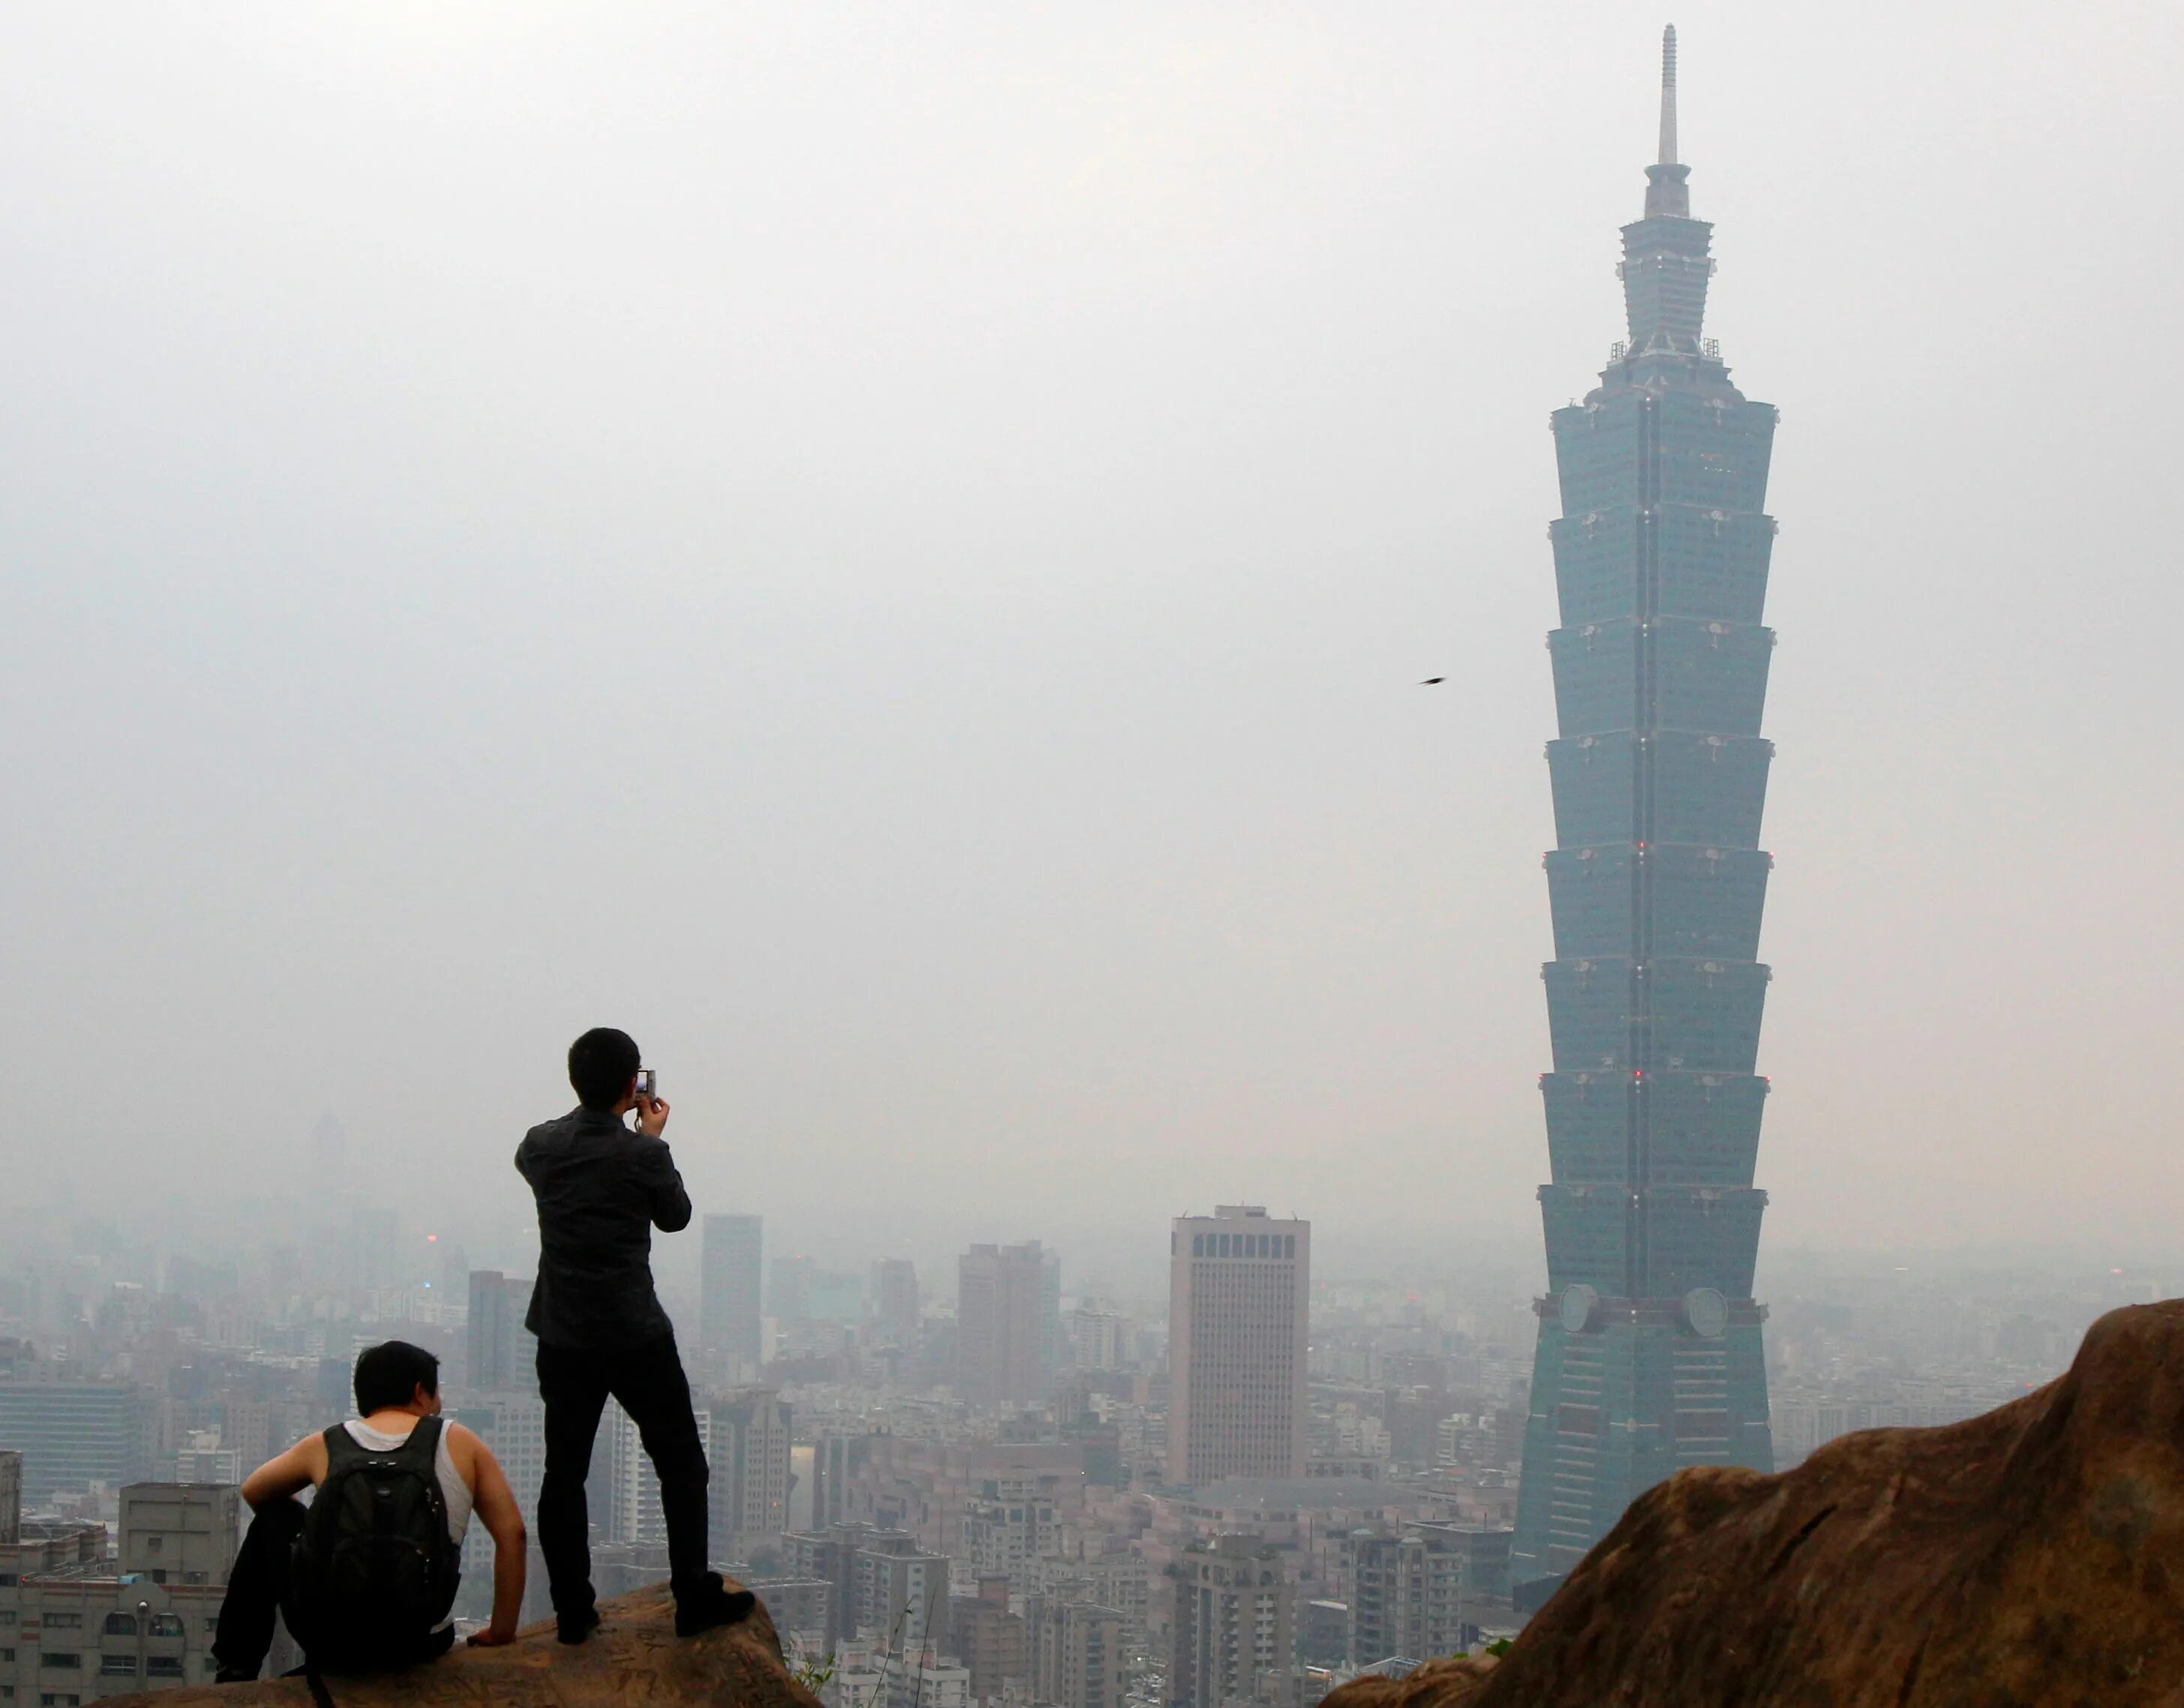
(601, 1190)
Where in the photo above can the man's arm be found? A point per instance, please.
(670, 1203)
(494, 1503)
(288, 1473)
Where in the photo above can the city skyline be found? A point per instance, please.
(1041, 767)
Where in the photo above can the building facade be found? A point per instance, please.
(1234, 1621)
(1008, 1529)
(78, 1625)
(1648, 1356)
(730, 1267)
(748, 1446)
(1239, 1292)
(72, 1434)
(1079, 1652)
(635, 1516)
(895, 1301)
(1003, 1344)
(503, 1355)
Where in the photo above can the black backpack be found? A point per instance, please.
(375, 1570)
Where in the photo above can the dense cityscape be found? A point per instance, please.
(976, 1484)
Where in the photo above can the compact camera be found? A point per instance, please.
(648, 1082)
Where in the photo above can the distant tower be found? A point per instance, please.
(1649, 1355)
(503, 1355)
(729, 1269)
(1239, 1296)
(1002, 1338)
(895, 1300)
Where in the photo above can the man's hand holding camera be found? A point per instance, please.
(651, 1115)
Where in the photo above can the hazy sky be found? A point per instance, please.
(888, 551)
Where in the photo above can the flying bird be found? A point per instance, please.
(1430, 681)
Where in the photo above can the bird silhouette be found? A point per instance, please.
(1430, 681)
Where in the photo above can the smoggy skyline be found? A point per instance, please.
(892, 558)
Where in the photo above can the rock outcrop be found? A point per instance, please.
(634, 1657)
(2032, 1558)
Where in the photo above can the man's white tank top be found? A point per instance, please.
(453, 1489)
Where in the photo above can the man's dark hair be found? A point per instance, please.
(389, 1375)
(601, 1065)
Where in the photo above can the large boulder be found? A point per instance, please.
(633, 1657)
(2032, 1558)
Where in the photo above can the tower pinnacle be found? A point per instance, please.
(1669, 96)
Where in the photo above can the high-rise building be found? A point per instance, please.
(1008, 1527)
(831, 1556)
(1234, 1626)
(1422, 1593)
(72, 1434)
(895, 1301)
(748, 1447)
(1648, 1355)
(635, 1514)
(1099, 1339)
(989, 1639)
(902, 1596)
(730, 1268)
(503, 1353)
(836, 1459)
(1002, 1340)
(1079, 1652)
(11, 1498)
(1239, 1291)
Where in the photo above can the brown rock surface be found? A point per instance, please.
(2032, 1558)
(634, 1657)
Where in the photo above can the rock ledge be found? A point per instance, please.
(634, 1657)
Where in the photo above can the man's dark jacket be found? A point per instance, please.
(601, 1190)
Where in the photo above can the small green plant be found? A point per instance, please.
(814, 1672)
(1497, 1648)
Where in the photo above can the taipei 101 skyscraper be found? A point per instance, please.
(1649, 1355)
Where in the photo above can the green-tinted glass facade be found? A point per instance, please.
(1649, 1355)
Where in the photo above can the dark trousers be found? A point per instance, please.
(648, 1379)
(256, 1584)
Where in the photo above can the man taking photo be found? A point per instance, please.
(601, 1190)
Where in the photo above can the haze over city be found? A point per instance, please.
(894, 556)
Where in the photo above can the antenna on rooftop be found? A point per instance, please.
(1669, 96)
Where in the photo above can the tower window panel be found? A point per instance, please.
(1596, 667)
(1711, 563)
(1591, 893)
(1593, 1006)
(1708, 677)
(1595, 780)
(1708, 788)
(1596, 563)
(1707, 902)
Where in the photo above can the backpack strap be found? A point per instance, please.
(342, 1450)
(422, 1450)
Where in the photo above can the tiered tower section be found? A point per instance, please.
(1649, 1355)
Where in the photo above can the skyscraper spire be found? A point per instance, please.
(1669, 96)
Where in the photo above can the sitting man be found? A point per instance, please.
(367, 1573)
(601, 1190)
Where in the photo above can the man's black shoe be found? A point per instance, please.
(715, 1605)
(235, 1675)
(575, 1628)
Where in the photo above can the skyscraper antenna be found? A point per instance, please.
(1669, 96)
